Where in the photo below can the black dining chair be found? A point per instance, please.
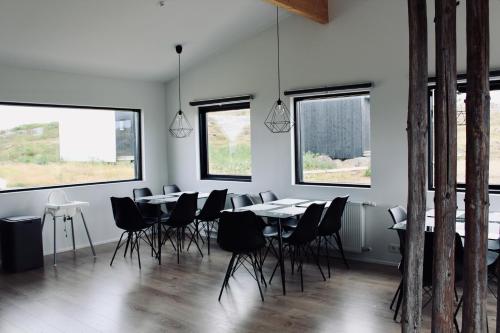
(330, 228)
(148, 210)
(398, 214)
(268, 196)
(128, 218)
(239, 201)
(167, 189)
(299, 240)
(210, 213)
(428, 268)
(180, 220)
(241, 234)
(270, 231)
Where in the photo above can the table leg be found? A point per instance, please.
(281, 256)
(159, 240)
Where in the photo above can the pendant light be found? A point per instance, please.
(278, 120)
(180, 126)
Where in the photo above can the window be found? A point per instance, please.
(332, 140)
(225, 145)
(49, 146)
(461, 128)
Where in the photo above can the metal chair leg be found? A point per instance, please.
(73, 234)
(254, 264)
(54, 220)
(43, 218)
(396, 294)
(138, 253)
(228, 272)
(88, 234)
(117, 247)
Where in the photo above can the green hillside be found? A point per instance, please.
(33, 143)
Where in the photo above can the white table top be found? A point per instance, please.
(288, 201)
(307, 204)
(160, 199)
(493, 227)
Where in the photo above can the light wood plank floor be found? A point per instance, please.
(87, 295)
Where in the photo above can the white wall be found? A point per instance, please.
(367, 40)
(22, 85)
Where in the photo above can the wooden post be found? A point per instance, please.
(417, 163)
(477, 165)
(445, 169)
(498, 298)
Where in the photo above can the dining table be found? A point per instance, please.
(493, 224)
(279, 211)
(162, 199)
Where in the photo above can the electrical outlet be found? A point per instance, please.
(393, 248)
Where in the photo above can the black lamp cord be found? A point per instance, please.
(179, 82)
(278, 39)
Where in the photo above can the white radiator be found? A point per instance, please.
(353, 227)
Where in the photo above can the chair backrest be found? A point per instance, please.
(241, 201)
(398, 214)
(147, 210)
(215, 203)
(171, 189)
(240, 232)
(268, 196)
(332, 221)
(58, 197)
(141, 192)
(184, 210)
(307, 227)
(126, 214)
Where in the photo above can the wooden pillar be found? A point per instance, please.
(417, 163)
(445, 169)
(477, 165)
(498, 298)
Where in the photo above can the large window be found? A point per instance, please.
(48, 146)
(494, 171)
(225, 145)
(332, 140)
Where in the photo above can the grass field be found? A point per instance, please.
(323, 169)
(29, 157)
(229, 154)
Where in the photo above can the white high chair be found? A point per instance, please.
(59, 206)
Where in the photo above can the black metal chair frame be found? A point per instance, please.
(326, 239)
(299, 251)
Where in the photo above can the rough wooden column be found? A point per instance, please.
(445, 167)
(477, 165)
(417, 163)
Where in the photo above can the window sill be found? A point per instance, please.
(333, 185)
(243, 179)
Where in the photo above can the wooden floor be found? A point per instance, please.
(84, 294)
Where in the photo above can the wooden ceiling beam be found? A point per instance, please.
(316, 10)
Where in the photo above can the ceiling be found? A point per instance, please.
(124, 38)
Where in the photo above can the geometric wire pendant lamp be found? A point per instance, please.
(278, 120)
(180, 126)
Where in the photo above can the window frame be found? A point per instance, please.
(296, 137)
(138, 165)
(204, 163)
(461, 87)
